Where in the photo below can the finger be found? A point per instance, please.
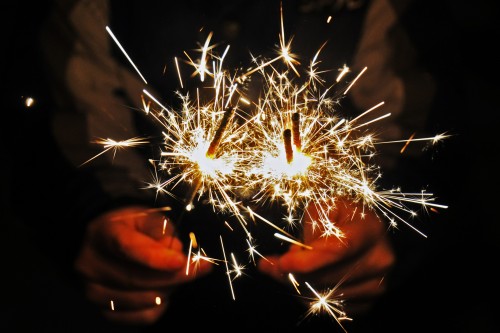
(360, 235)
(363, 291)
(123, 233)
(306, 261)
(356, 225)
(270, 266)
(99, 268)
(139, 219)
(376, 263)
(361, 297)
(144, 250)
(129, 276)
(171, 243)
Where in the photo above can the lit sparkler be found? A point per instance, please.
(304, 152)
(288, 146)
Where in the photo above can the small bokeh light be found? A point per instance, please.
(29, 102)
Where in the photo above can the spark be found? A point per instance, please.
(326, 302)
(227, 225)
(342, 73)
(285, 47)
(252, 214)
(237, 268)
(434, 139)
(110, 144)
(293, 241)
(197, 257)
(165, 220)
(189, 256)
(203, 61)
(228, 272)
(201, 67)
(407, 143)
(284, 52)
(252, 250)
(354, 81)
(178, 72)
(201, 255)
(154, 100)
(295, 283)
(108, 29)
(159, 209)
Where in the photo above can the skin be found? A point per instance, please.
(126, 257)
(360, 260)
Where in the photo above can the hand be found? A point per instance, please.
(360, 261)
(129, 259)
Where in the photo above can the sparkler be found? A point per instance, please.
(288, 146)
(330, 157)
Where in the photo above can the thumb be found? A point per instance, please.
(136, 246)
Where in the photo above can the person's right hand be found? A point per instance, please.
(127, 261)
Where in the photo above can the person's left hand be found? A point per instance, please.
(362, 258)
(130, 257)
